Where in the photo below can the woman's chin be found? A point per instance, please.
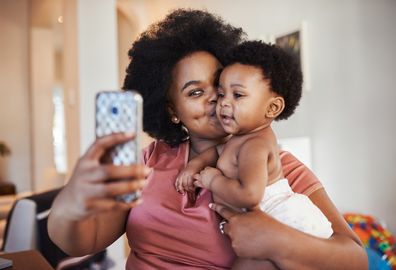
(217, 132)
(218, 129)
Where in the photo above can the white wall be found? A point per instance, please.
(349, 112)
(98, 65)
(26, 81)
(14, 92)
(98, 70)
(71, 82)
(42, 68)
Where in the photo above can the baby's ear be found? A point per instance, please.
(275, 107)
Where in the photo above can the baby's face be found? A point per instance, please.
(243, 98)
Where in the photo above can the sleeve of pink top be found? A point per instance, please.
(146, 152)
(301, 179)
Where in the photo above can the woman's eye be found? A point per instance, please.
(220, 95)
(195, 92)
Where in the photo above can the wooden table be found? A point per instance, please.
(27, 260)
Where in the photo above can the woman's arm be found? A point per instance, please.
(343, 250)
(256, 235)
(83, 236)
(85, 217)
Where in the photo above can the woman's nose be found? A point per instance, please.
(213, 97)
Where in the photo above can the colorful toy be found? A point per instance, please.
(375, 238)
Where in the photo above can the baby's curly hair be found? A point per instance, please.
(279, 67)
(155, 53)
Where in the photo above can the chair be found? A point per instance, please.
(26, 229)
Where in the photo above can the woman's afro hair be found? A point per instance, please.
(280, 68)
(155, 53)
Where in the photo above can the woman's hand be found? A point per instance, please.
(246, 231)
(256, 235)
(94, 186)
(86, 217)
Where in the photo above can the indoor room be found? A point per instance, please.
(57, 55)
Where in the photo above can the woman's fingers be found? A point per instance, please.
(95, 187)
(110, 171)
(223, 211)
(99, 147)
(121, 187)
(101, 205)
(227, 215)
(102, 197)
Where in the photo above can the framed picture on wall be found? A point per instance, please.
(294, 42)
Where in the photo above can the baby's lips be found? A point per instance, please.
(226, 113)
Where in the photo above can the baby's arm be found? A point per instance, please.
(248, 190)
(184, 181)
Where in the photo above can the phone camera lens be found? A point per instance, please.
(114, 110)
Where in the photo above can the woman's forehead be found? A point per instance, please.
(198, 66)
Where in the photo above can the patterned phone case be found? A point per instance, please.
(118, 111)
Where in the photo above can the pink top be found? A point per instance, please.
(166, 233)
(301, 179)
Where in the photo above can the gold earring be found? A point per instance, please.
(187, 133)
(175, 119)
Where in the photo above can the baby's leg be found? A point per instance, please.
(243, 264)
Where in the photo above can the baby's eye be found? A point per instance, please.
(195, 92)
(220, 95)
(237, 95)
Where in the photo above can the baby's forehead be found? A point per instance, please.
(239, 70)
(237, 67)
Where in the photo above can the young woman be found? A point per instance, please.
(175, 65)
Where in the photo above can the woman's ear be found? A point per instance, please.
(172, 113)
(275, 108)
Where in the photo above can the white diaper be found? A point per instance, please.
(295, 210)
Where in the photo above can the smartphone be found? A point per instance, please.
(120, 111)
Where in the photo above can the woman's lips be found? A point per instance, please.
(213, 118)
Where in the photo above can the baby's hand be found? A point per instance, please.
(185, 181)
(205, 177)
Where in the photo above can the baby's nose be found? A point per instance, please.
(224, 102)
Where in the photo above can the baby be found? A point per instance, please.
(260, 83)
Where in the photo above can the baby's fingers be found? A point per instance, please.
(197, 177)
(198, 183)
(179, 185)
(190, 184)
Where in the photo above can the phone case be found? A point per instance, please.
(118, 111)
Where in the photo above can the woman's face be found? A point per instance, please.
(193, 95)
